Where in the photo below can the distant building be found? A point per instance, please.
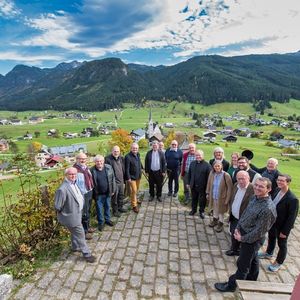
(15, 122)
(153, 132)
(35, 120)
(27, 136)
(68, 150)
(138, 134)
(230, 138)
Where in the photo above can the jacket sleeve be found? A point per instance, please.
(114, 185)
(228, 183)
(127, 167)
(147, 162)
(256, 169)
(60, 198)
(293, 207)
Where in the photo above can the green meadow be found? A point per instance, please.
(132, 118)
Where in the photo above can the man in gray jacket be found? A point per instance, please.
(69, 204)
(255, 222)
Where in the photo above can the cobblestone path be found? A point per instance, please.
(161, 253)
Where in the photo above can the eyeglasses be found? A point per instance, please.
(174, 144)
(72, 173)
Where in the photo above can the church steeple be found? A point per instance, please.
(150, 124)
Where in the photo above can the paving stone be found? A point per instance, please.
(135, 281)
(138, 267)
(87, 273)
(64, 293)
(120, 286)
(80, 286)
(131, 295)
(76, 296)
(185, 267)
(124, 273)
(186, 282)
(149, 274)
(162, 270)
(93, 288)
(103, 296)
(117, 296)
(146, 290)
(108, 283)
(72, 279)
(161, 287)
(114, 267)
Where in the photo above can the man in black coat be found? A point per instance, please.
(197, 181)
(133, 174)
(117, 162)
(287, 206)
(155, 168)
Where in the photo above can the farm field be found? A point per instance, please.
(132, 118)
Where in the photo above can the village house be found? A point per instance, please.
(27, 136)
(15, 122)
(287, 144)
(68, 150)
(70, 135)
(230, 138)
(52, 132)
(3, 122)
(209, 136)
(138, 134)
(35, 120)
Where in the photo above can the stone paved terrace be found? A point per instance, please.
(161, 253)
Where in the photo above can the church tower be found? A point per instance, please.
(150, 130)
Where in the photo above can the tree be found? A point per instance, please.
(13, 147)
(143, 144)
(33, 148)
(37, 134)
(121, 138)
(171, 136)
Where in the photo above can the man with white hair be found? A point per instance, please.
(188, 157)
(104, 189)
(85, 184)
(69, 203)
(269, 171)
(133, 174)
(116, 160)
(219, 155)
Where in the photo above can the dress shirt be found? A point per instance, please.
(155, 164)
(216, 185)
(78, 194)
(238, 198)
(278, 197)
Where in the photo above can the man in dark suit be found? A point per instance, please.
(241, 195)
(133, 174)
(197, 181)
(287, 206)
(219, 155)
(69, 204)
(118, 164)
(155, 168)
(174, 160)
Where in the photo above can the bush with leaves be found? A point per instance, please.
(28, 223)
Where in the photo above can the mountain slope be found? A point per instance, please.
(101, 84)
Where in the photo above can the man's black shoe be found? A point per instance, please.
(169, 194)
(122, 210)
(224, 287)
(90, 259)
(100, 227)
(232, 253)
(201, 215)
(151, 198)
(109, 223)
(117, 214)
(175, 195)
(191, 213)
(158, 199)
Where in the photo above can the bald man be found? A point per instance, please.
(241, 195)
(69, 203)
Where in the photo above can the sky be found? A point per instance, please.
(44, 33)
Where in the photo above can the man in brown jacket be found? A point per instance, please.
(241, 194)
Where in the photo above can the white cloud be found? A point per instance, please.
(15, 56)
(8, 9)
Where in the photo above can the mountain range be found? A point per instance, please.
(107, 83)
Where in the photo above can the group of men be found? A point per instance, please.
(252, 213)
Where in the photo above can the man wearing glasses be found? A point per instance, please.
(174, 161)
(255, 222)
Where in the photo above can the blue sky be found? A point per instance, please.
(45, 33)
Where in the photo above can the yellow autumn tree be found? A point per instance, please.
(121, 137)
(171, 136)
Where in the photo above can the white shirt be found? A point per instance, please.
(155, 164)
(78, 194)
(238, 198)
